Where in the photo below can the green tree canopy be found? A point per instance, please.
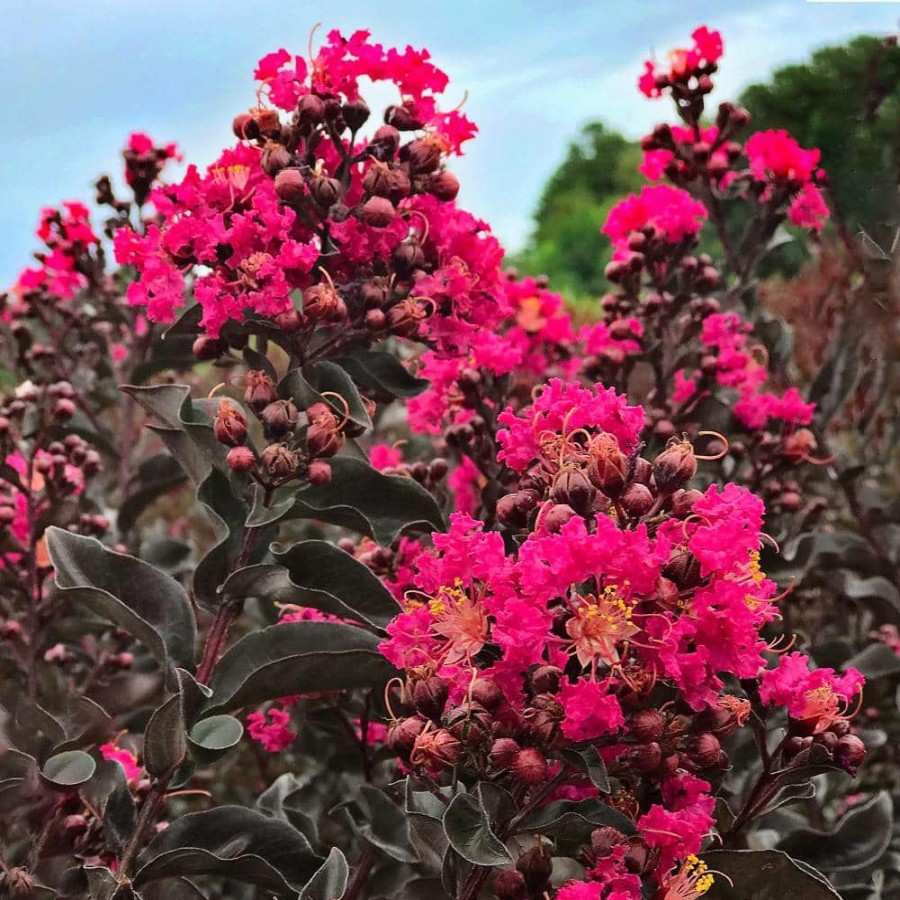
(846, 102)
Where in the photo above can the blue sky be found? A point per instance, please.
(79, 76)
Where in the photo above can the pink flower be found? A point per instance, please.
(671, 210)
(126, 759)
(383, 456)
(775, 155)
(590, 711)
(809, 209)
(273, 735)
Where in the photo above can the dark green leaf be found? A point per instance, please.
(297, 658)
(573, 817)
(172, 889)
(468, 829)
(233, 843)
(364, 500)
(155, 476)
(102, 883)
(876, 661)
(108, 792)
(380, 372)
(211, 738)
(227, 514)
(69, 769)
(128, 592)
(325, 577)
(375, 817)
(790, 793)
(284, 800)
(324, 379)
(857, 840)
(763, 875)
(165, 741)
(330, 880)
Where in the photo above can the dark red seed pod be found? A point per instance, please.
(402, 734)
(356, 114)
(850, 752)
(646, 758)
(513, 510)
(557, 516)
(604, 840)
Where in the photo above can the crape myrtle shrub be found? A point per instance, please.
(379, 577)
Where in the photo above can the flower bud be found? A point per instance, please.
(279, 418)
(571, 486)
(608, 466)
(705, 750)
(529, 766)
(356, 114)
(310, 110)
(683, 502)
(536, 865)
(244, 128)
(636, 500)
(487, 693)
(545, 680)
(290, 186)
(274, 158)
(444, 185)
(240, 459)
(850, 752)
(325, 191)
(230, 424)
(647, 725)
(503, 752)
(402, 734)
(645, 758)
(279, 460)
(260, 390)
(63, 409)
(377, 212)
(557, 516)
(403, 117)
(513, 510)
(604, 840)
(674, 467)
(385, 142)
(430, 697)
(318, 473)
(207, 348)
(683, 569)
(509, 884)
(323, 303)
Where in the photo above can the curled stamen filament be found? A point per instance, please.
(724, 452)
(343, 403)
(387, 695)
